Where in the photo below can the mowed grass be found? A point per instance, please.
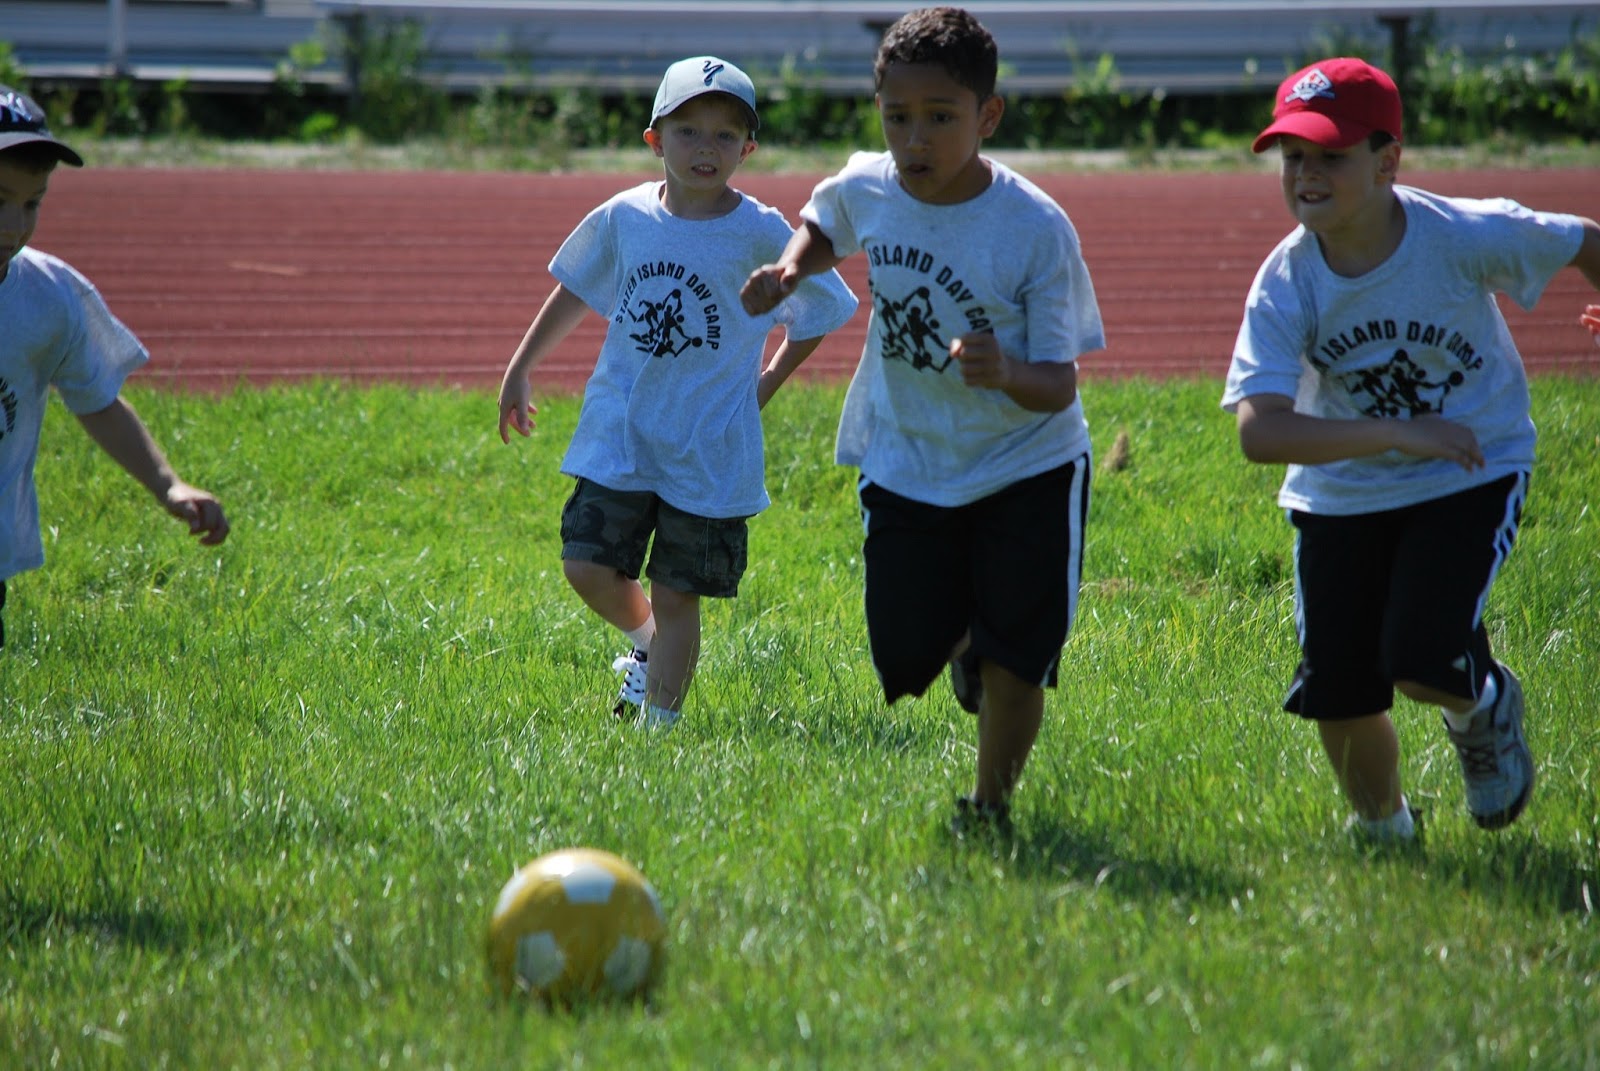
(259, 799)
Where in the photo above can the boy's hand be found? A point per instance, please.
(516, 408)
(1432, 435)
(767, 286)
(1591, 320)
(201, 509)
(982, 363)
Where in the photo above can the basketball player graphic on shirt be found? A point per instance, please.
(663, 334)
(1401, 386)
(910, 331)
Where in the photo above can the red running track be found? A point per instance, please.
(247, 276)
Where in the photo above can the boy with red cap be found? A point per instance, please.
(1375, 363)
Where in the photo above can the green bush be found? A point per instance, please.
(392, 96)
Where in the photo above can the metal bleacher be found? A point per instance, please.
(1177, 46)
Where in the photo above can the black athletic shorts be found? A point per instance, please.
(1007, 567)
(1398, 596)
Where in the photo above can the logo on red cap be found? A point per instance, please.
(1313, 85)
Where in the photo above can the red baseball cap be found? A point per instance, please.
(1334, 103)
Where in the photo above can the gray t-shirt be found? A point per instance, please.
(1420, 333)
(1008, 262)
(55, 331)
(671, 406)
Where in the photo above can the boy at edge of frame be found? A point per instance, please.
(56, 332)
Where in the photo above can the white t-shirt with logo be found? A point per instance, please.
(671, 406)
(1420, 333)
(1007, 262)
(55, 331)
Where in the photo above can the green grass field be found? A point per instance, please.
(259, 799)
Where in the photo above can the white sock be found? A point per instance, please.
(654, 717)
(1487, 697)
(641, 636)
(1398, 826)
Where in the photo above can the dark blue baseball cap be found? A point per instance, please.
(22, 122)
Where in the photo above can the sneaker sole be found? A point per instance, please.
(1501, 819)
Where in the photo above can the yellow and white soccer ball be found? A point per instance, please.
(577, 924)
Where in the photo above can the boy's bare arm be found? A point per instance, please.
(562, 311)
(1271, 432)
(790, 355)
(1040, 387)
(123, 436)
(809, 252)
(1588, 262)
(1587, 259)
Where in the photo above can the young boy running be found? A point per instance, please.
(55, 331)
(1374, 361)
(669, 440)
(963, 416)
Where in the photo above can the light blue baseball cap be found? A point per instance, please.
(689, 78)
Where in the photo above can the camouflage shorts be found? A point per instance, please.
(699, 555)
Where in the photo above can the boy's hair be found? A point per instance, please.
(947, 36)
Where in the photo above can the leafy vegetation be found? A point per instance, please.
(1518, 100)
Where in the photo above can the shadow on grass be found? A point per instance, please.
(1522, 872)
(1058, 851)
(25, 919)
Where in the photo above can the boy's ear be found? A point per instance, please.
(652, 138)
(989, 114)
(1389, 160)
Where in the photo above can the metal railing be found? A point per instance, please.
(1179, 46)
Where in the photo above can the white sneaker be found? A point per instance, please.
(1386, 833)
(657, 718)
(1496, 765)
(635, 675)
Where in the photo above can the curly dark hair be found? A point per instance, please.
(948, 36)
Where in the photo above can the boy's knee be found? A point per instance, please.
(669, 601)
(1429, 695)
(587, 575)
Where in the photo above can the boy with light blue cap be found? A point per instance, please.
(668, 454)
(690, 78)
